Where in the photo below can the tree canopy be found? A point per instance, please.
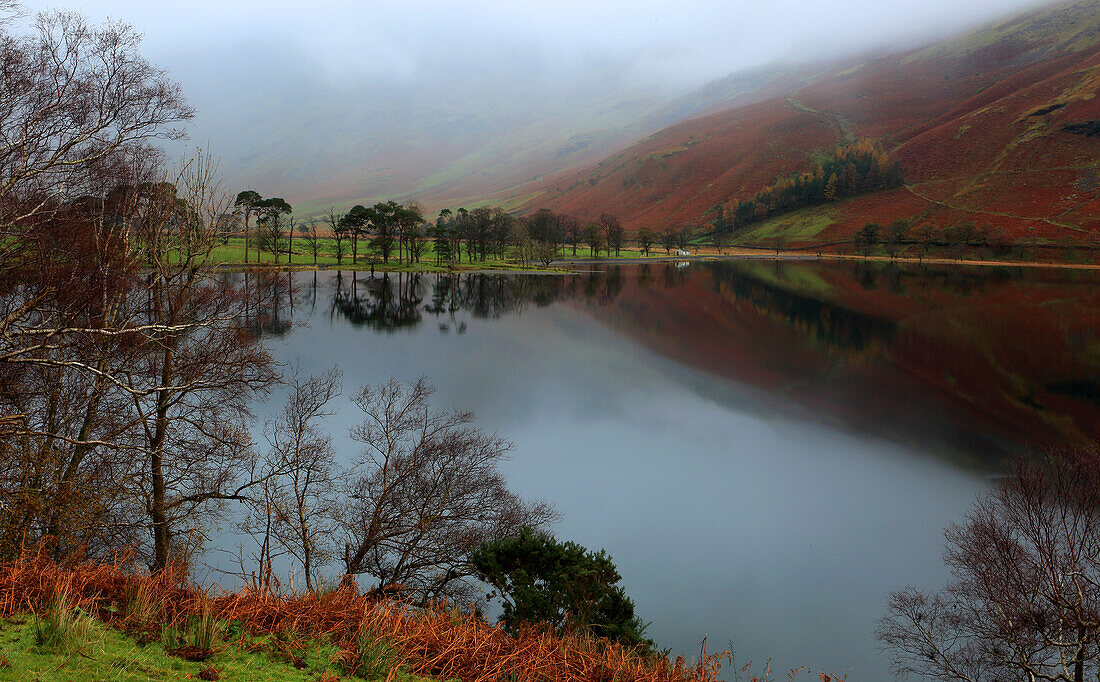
(854, 169)
(559, 584)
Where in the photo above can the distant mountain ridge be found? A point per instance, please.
(990, 126)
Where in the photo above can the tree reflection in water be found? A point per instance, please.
(392, 301)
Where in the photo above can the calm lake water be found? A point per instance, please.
(766, 448)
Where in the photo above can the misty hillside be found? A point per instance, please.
(319, 142)
(997, 126)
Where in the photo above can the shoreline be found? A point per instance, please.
(567, 265)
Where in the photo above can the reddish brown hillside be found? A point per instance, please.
(659, 181)
(977, 122)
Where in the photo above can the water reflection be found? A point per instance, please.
(844, 330)
(392, 301)
(973, 364)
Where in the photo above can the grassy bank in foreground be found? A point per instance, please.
(92, 620)
(87, 649)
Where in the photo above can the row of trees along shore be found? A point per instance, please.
(488, 232)
(399, 231)
(392, 231)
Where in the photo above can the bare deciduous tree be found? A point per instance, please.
(78, 105)
(148, 372)
(573, 231)
(545, 252)
(425, 491)
(190, 381)
(66, 332)
(612, 233)
(292, 513)
(668, 239)
(645, 239)
(192, 388)
(593, 236)
(1025, 603)
(312, 238)
(75, 99)
(721, 240)
(271, 230)
(339, 235)
(520, 238)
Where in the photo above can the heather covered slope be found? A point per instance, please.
(978, 122)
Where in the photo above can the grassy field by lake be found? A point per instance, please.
(232, 252)
(298, 255)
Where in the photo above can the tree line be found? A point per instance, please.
(854, 169)
(392, 231)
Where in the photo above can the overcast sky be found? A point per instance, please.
(663, 42)
(335, 99)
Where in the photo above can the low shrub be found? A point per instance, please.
(374, 656)
(64, 628)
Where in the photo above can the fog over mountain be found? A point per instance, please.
(334, 102)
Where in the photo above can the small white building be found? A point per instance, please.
(683, 252)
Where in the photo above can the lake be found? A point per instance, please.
(766, 448)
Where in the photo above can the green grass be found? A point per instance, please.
(99, 652)
(64, 629)
(233, 254)
(377, 655)
(799, 225)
